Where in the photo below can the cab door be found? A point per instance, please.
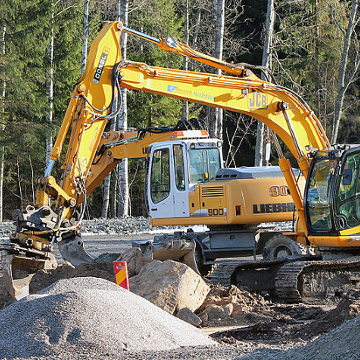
(167, 189)
(181, 182)
(161, 202)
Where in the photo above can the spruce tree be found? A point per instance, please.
(158, 19)
(24, 70)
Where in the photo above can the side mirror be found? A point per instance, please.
(347, 177)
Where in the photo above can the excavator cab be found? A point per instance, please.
(175, 168)
(332, 194)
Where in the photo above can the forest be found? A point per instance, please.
(311, 47)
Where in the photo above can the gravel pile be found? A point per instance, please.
(340, 343)
(128, 225)
(6, 228)
(90, 316)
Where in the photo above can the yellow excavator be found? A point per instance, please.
(187, 183)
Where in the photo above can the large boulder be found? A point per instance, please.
(135, 260)
(170, 285)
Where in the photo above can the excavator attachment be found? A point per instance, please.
(19, 263)
(73, 251)
(18, 269)
(180, 250)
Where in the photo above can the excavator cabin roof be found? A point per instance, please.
(245, 172)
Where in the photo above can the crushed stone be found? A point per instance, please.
(27, 333)
(126, 225)
(44, 278)
(339, 343)
(86, 314)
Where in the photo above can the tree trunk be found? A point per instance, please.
(197, 27)
(262, 151)
(113, 194)
(185, 104)
(106, 197)
(19, 184)
(107, 185)
(85, 36)
(1, 182)
(50, 90)
(2, 128)
(123, 196)
(343, 82)
(216, 114)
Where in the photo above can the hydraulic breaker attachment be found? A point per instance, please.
(19, 266)
(72, 250)
(181, 250)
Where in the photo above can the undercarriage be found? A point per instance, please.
(294, 279)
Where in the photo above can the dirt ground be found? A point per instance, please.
(292, 323)
(256, 320)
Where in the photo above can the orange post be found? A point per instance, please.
(121, 274)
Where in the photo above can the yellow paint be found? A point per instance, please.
(120, 276)
(352, 231)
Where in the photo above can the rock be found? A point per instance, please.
(224, 303)
(217, 312)
(187, 315)
(135, 260)
(127, 225)
(170, 285)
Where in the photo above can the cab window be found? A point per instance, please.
(318, 195)
(348, 191)
(160, 175)
(179, 167)
(204, 164)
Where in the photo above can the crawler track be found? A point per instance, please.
(306, 280)
(224, 272)
(293, 279)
